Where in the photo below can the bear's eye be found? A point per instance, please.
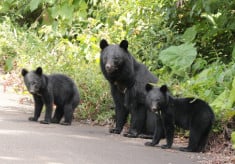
(27, 83)
(117, 60)
(104, 58)
(34, 83)
(157, 100)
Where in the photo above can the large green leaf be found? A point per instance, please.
(220, 103)
(190, 34)
(231, 98)
(83, 9)
(54, 11)
(225, 100)
(233, 139)
(34, 4)
(179, 58)
(233, 53)
(66, 11)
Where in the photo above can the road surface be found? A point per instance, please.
(22, 141)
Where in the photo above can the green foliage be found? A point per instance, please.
(233, 53)
(95, 94)
(190, 34)
(15, 42)
(233, 139)
(179, 58)
(214, 23)
(7, 52)
(231, 98)
(33, 5)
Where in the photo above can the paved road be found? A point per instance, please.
(27, 142)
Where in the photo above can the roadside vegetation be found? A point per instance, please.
(189, 45)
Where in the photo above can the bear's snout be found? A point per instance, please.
(32, 91)
(154, 108)
(109, 68)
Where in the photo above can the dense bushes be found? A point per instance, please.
(188, 44)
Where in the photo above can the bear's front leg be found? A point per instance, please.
(169, 130)
(49, 105)
(115, 130)
(38, 104)
(44, 122)
(33, 119)
(158, 132)
(121, 113)
(120, 117)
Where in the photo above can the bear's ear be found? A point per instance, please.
(39, 71)
(148, 87)
(24, 72)
(163, 88)
(124, 44)
(103, 44)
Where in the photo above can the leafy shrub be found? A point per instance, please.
(95, 93)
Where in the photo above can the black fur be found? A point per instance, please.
(188, 113)
(52, 89)
(127, 79)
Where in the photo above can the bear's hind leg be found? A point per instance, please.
(138, 118)
(194, 139)
(203, 140)
(202, 144)
(68, 114)
(57, 115)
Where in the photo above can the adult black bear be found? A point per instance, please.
(55, 89)
(188, 113)
(127, 79)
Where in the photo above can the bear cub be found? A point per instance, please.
(190, 114)
(52, 89)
